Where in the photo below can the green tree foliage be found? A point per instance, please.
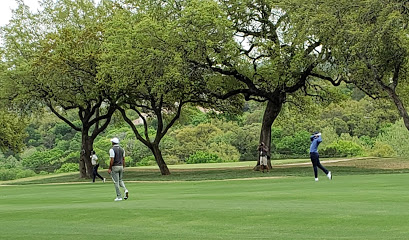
(246, 140)
(258, 49)
(52, 59)
(396, 137)
(209, 138)
(224, 151)
(47, 161)
(365, 117)
(11, 124)
(194, 138)
(12, 132)
(193, 115)
(293, 144)
(358, 118)
(369, 44)
(154, 57)
(151, 69)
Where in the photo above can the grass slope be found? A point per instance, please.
(236, 170)
(360, 206)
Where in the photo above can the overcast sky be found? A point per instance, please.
(7, 5)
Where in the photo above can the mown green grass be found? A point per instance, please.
(239, 170)
(367, 199)
(360, 206)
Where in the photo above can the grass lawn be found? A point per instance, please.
(357, 206)
(235, 170)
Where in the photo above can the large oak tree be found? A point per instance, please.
(270, 56)
(145, 61)
(53, 58)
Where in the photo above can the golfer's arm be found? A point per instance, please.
(111, 163)
(123, 162)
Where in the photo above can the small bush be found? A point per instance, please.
(10, 163)
(226, 152)
(11, 174)
(147, 161)
(25, 173)
(342, 148)
(68, 167)
(7, 174)
(203, 157)
(172, 160)
(382, 150)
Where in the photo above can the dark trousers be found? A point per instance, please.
(95, 173)
(315, 159)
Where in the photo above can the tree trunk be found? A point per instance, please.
(85, 158)
(270, 114)
(401, 108)
(164, 170)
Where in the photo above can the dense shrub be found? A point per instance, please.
(25, 173)
(397, 137)
(191, 115)
(226, 152)
(7, 174)
(63, 145)
(171, 160)
(11, 174)
(44, 161)
(382, 150)
(203, 157)
(246, 140)
(194, 138)
(28, 152)
(68, 167)
(342, 148)
(367, 141)
(9, 163)
(297, 144)
(147, 161)
(72, 157)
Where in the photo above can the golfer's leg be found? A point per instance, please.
(121, 182)
(321, 167)
(314, 159)
(96, 172)
(115, 178)
(315, 171)
(100, 176)
(93, 173)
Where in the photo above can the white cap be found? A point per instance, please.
(115, 140)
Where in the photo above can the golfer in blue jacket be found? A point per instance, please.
(315, 157)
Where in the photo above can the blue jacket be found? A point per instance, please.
(315, 141)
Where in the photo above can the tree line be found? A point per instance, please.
(153, 58)
(351, 127)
